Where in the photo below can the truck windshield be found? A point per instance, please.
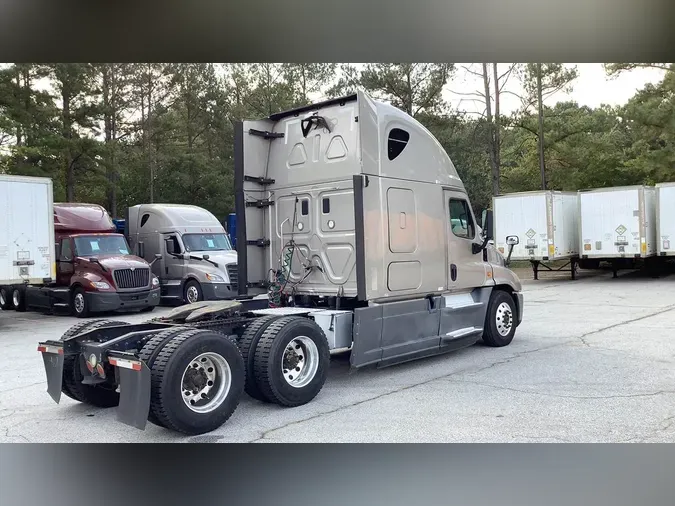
(206, 242)
(95, 245)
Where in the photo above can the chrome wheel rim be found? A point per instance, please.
(300, 362)
(79, 302)
(16, 298)
(3, 298)
(192, 294)
(504, 319)
(206, 382)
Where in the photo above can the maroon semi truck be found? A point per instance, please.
(95, 270)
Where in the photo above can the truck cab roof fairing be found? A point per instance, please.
(83, 218)
(423, 158)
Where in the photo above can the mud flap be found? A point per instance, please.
(134, 384)
(53, 358)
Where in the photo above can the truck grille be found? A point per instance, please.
(233, 273)
(127, 278)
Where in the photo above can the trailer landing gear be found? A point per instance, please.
(572, 268)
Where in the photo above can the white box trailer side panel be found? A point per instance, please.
(565, 224)
(666, 219)
(523, 215)
(649, 219)
(611, 224)
(26, 230)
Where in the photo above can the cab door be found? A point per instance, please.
(466, 269)
(65, 265)
(173, 263)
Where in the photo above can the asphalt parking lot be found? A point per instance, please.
(592, 362)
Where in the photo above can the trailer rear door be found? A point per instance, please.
(26, 230)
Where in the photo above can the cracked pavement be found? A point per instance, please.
(592, 362)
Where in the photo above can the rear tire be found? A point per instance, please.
(173, 376)
(248, 344)
(96, 395)
(149, 353)
(281, 374)
(78, 303)
(19, 299)
(6, 299)
(501, 320)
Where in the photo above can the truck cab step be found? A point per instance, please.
(465, 332)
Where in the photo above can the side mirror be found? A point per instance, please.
(170, 246)
(57, 250)
(487, 224)
(141, 249)
(512, 240)
(158, 256)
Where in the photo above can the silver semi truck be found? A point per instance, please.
(354, 232)
(197, 259)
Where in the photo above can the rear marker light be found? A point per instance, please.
(50, 349)
(126, 364)
(100, 371)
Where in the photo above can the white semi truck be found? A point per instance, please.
(354, 232)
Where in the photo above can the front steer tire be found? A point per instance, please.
(269, 358)
(78, 303)
(96, 395)
(168, 368)
(502, 315)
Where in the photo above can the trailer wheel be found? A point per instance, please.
(96, 395)
(197, 381)
(248, 344)
(19, 300)
(5, 299)
(78, 303)
(500, 321)
(149, 353)
(291, 361)
(192, 292)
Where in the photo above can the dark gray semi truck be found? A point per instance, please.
(354, 232)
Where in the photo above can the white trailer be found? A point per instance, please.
(618, 224)
(665, 219)
(546, 223)
(26, 234)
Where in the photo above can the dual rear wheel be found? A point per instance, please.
(198, 376)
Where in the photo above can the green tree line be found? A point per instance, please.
(120, 134)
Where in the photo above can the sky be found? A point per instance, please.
(591, 88)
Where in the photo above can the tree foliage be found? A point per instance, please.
(120, 134)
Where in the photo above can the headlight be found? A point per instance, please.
(214, 277)
(101, 285)
(155, 281)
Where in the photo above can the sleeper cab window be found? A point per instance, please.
(396, 143)
(461, 220)
(144, 219)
